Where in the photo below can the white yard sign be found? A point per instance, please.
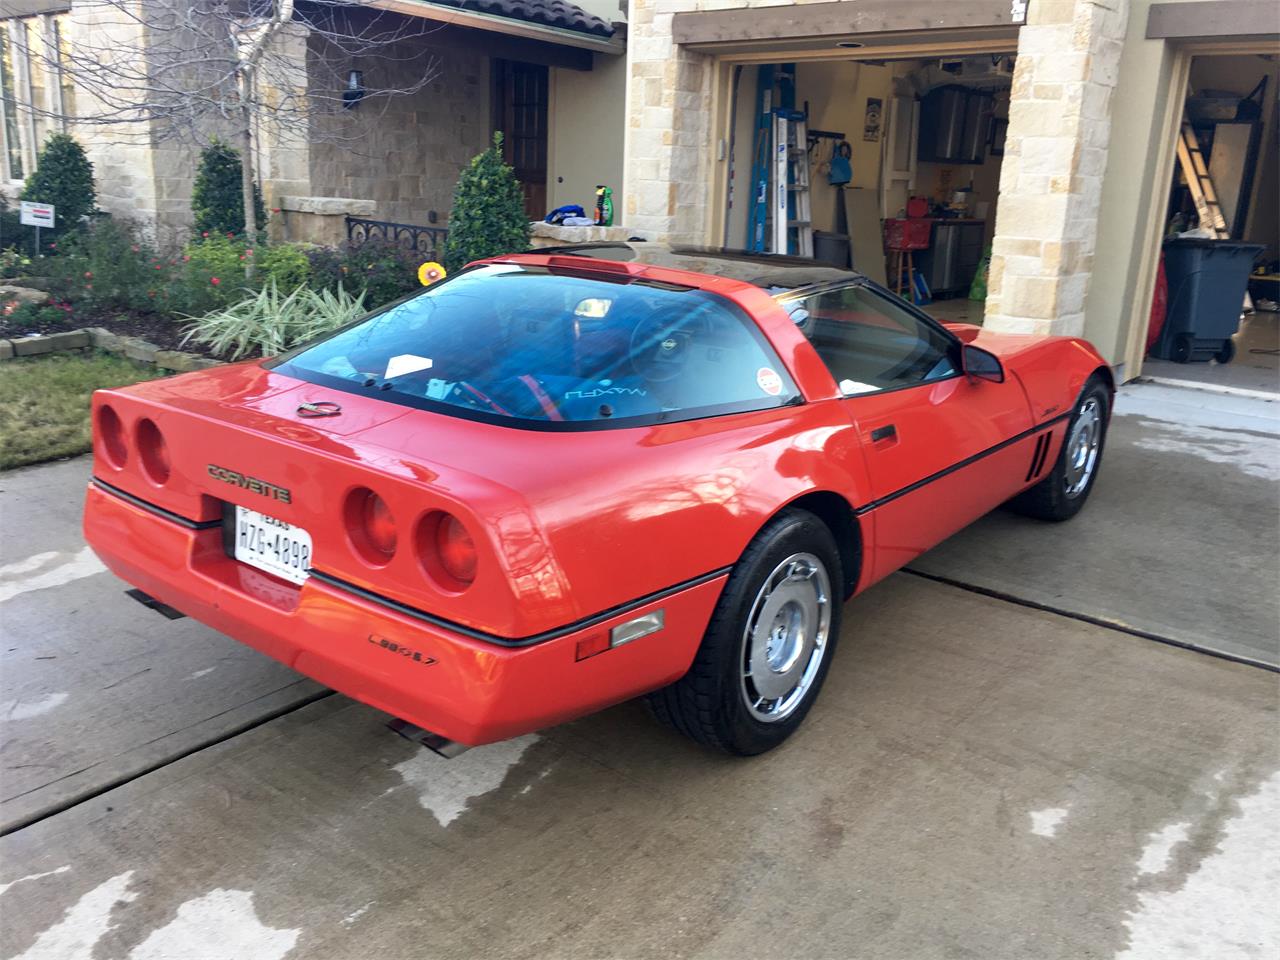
(37, 214)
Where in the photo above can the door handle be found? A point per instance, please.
(889, 432)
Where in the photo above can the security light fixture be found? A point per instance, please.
(354, 93)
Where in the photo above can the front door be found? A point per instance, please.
(934, 440)
(520, 113)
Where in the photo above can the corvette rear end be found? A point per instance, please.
(421, 556)
(371, 574)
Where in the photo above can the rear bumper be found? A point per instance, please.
(462, 688)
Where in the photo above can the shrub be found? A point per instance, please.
(13, 263)
(211, 275)
(106, 264)
(488, 215)
(382, 271)
(64, 178)
(285, 263)
(18, 319)
(217, 198)
(271, 322)
(12, 232)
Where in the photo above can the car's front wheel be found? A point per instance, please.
(1063, 492)
(767, 649)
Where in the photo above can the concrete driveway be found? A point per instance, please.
(1180, 537)
(984, 776)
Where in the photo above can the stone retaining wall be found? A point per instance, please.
(99, 338)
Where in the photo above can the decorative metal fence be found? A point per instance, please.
(428, 241)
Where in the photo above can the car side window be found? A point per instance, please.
(869, 343)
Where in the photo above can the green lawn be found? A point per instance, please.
(44, 402)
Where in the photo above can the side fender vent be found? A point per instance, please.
(1038, 455)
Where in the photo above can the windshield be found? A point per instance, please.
(522, 345)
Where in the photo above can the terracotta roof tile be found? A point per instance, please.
(552, 13)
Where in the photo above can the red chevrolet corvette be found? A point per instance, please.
(556, 481)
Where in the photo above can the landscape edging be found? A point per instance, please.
(135, 348)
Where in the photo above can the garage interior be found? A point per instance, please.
(1233, 115)
(923, 139)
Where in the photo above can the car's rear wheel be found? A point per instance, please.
(767, 649)
(1061, 494)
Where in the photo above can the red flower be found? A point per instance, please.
(242, 256)
(247, 253)
(275, 209)
(88, 275)
(134, 248)
(205, 234)
(185, 258)
(159, 267)
(53, 246)
(215, 281)
(231, 236)
(88, 286)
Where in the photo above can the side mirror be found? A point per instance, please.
(981, 364)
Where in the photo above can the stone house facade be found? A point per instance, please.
(1087, 72)
(391, 158)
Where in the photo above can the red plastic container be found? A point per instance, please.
(908, 234)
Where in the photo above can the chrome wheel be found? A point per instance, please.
(785, 638)
(1082, 447)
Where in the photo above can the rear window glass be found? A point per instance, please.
(526, 346)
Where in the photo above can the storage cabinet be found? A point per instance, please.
(954, 124)
(953, 256)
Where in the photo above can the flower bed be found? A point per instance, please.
(105, 276)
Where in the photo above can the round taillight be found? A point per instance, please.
(152, 451)
(370, 526)
(456, 549)
(111, 437)
(447, 551)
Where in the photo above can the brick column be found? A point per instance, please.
(669, 127)
(1055, 157)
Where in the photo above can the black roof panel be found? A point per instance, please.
(770, 271)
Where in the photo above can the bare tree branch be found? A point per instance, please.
(248, 71)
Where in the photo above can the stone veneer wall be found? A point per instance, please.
(1054, 162)
(404, 153)
(1059, 129)
(123, 156)
(139, 176)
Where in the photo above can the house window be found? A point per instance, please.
(38, 91)
(38, 75)
(58, 41)
(9, 105)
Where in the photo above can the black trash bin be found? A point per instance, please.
(1207, 283)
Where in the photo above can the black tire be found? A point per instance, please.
(1184, 347)
(1227, 353)
(1052, 498)
(709, 703)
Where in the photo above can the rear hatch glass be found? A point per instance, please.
(528, 347)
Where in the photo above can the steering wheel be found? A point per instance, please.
(659, 347)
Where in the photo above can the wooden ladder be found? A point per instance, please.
(1203, 193)
(792, 216)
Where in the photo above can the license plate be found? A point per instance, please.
(271, 545)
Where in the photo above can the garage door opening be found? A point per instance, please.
(1221, 231)
(899, 175)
